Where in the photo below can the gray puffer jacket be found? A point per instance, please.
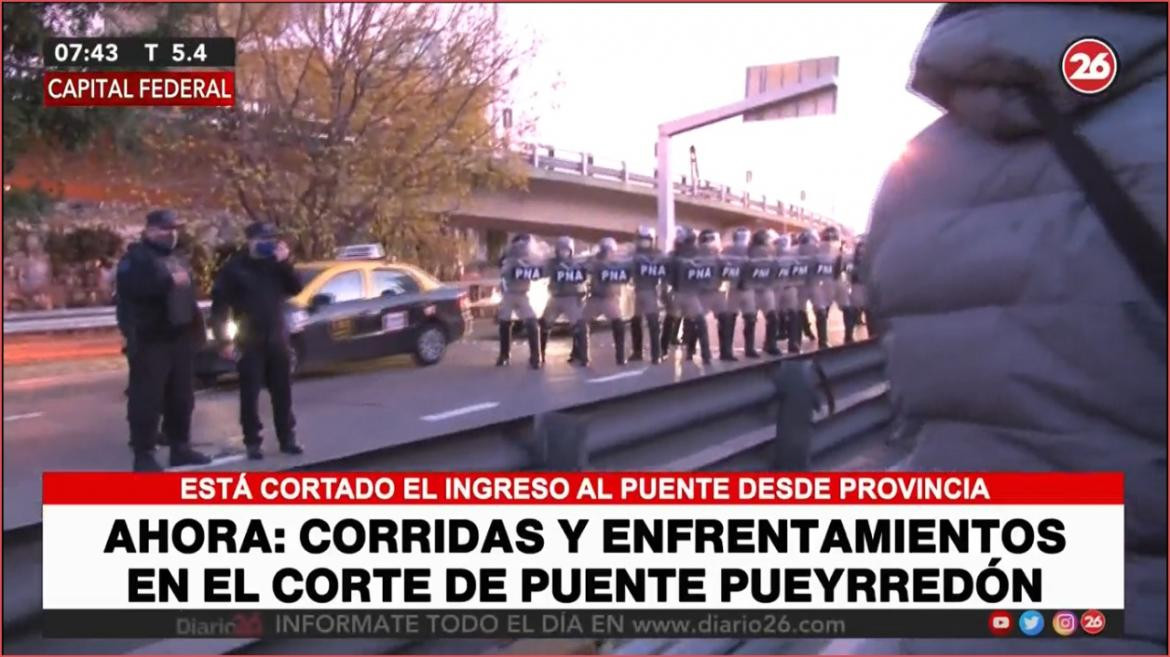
(1017, 334)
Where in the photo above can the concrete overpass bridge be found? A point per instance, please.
(569, 194)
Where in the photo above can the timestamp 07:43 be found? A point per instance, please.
(139, 53)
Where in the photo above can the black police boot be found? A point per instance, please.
(505, 344)
(532, 329)
(771, 333)
(781, 327)
(792, 317)
(291, 446)
(850, 317)
(727, 338)
(805, 327)
(582, 337)
(619, 341)
(254, 452)
(636, 338)
(655, 337)
(184, 455)
(544, 331)
(749, 337)
(690, 336)
(704, 337)
(145, 462)
(822, 329)
(669, 328)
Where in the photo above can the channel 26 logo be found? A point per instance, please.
(1089, 65)
(1093, 622)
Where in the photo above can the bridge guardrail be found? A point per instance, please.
(542, 156)
(790, 414)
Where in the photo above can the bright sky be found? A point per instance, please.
(625, 68)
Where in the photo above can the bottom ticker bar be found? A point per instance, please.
(581, 623)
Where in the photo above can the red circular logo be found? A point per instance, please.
(999, 623)
(1089, 65)
(1093, 622)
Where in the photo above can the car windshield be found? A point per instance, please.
(307, 274)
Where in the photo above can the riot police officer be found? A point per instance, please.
(517, 272)
(568, 282)
(649, 272)
(853, 305)
(711, 295)
(807, 249)
(608, 276)
(823, 281)
(167, 327)
(758, 293)
(791, 273)
(674, 315)
(732, 270)
(254, 285)
(692, 272)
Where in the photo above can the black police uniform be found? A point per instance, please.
(255, 289)
(166, 328)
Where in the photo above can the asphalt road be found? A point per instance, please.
(76, 421)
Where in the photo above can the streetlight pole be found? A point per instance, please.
(665, 182)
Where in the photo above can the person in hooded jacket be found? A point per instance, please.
(160, 312)
(1021, 240)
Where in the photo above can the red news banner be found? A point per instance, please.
(582, 555)
(140, 88)
(582, 488)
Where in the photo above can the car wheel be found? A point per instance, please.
(430, 345)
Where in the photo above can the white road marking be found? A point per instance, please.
(221, 460)
(619, 375)
(22, 416)
(456, 412)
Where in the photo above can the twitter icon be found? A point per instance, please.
(1031, 623)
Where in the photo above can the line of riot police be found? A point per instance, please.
(758, 274)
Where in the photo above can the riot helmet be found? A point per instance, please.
(806, 237)
(606, 247)
(645, 238)
(521, 245)
(741, 237)
(761, 237)
(684, 236)
(564, 247)
(783, 242)
(709, 240)
(830, 234)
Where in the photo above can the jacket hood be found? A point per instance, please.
(974, 60)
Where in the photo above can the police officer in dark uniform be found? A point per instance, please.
(167, 327)
(253, 286)
(740, 299)
(649, 272)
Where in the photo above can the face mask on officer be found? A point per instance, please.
(163, 238)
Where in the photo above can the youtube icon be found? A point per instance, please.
(999, 623)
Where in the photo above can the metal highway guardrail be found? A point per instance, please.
(793, 414)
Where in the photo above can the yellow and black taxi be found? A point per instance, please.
(360, 306)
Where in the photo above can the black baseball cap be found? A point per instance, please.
(261, 230)
(167, 219)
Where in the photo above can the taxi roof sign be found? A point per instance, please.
(360, 252)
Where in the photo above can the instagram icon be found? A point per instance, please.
(1064, 623)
